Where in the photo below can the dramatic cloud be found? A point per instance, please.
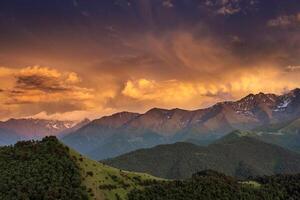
(177, 69)
(42, 86)
(110, 56)
(200, 93)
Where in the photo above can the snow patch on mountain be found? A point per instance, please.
(283, 105)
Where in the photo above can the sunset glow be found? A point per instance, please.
(144, 55)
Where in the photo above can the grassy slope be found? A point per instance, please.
(103, 175)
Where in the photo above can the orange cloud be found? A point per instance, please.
(198, 93)
(177, 69)
(48, 92)
(42, 84)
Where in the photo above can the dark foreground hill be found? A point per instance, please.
(210, 185)
(39, 170)
(48, 170)
(235, 154)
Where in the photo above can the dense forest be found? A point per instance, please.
(211, 185)
(39, 170)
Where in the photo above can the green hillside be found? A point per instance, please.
(105, 182)
(236, 154)
(49, 170)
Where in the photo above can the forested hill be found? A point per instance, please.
(39, 170)
(236, 155)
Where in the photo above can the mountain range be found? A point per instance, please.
(236, 154)
(273, 118)
(123, 132)
(14, 130)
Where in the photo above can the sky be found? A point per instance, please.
(72, 59)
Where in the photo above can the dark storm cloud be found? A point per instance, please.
(42, 85)
(45, 84)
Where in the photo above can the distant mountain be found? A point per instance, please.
(123, 132)
(74, 127)
(35, 128)
(14, 130)
(8, 137)
(236, 154)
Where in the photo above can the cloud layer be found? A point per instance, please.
(109, 56)
(178, 70)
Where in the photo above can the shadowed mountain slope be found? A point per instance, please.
(235, 154)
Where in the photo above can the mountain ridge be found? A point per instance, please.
(244, 104)
(173, 125)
